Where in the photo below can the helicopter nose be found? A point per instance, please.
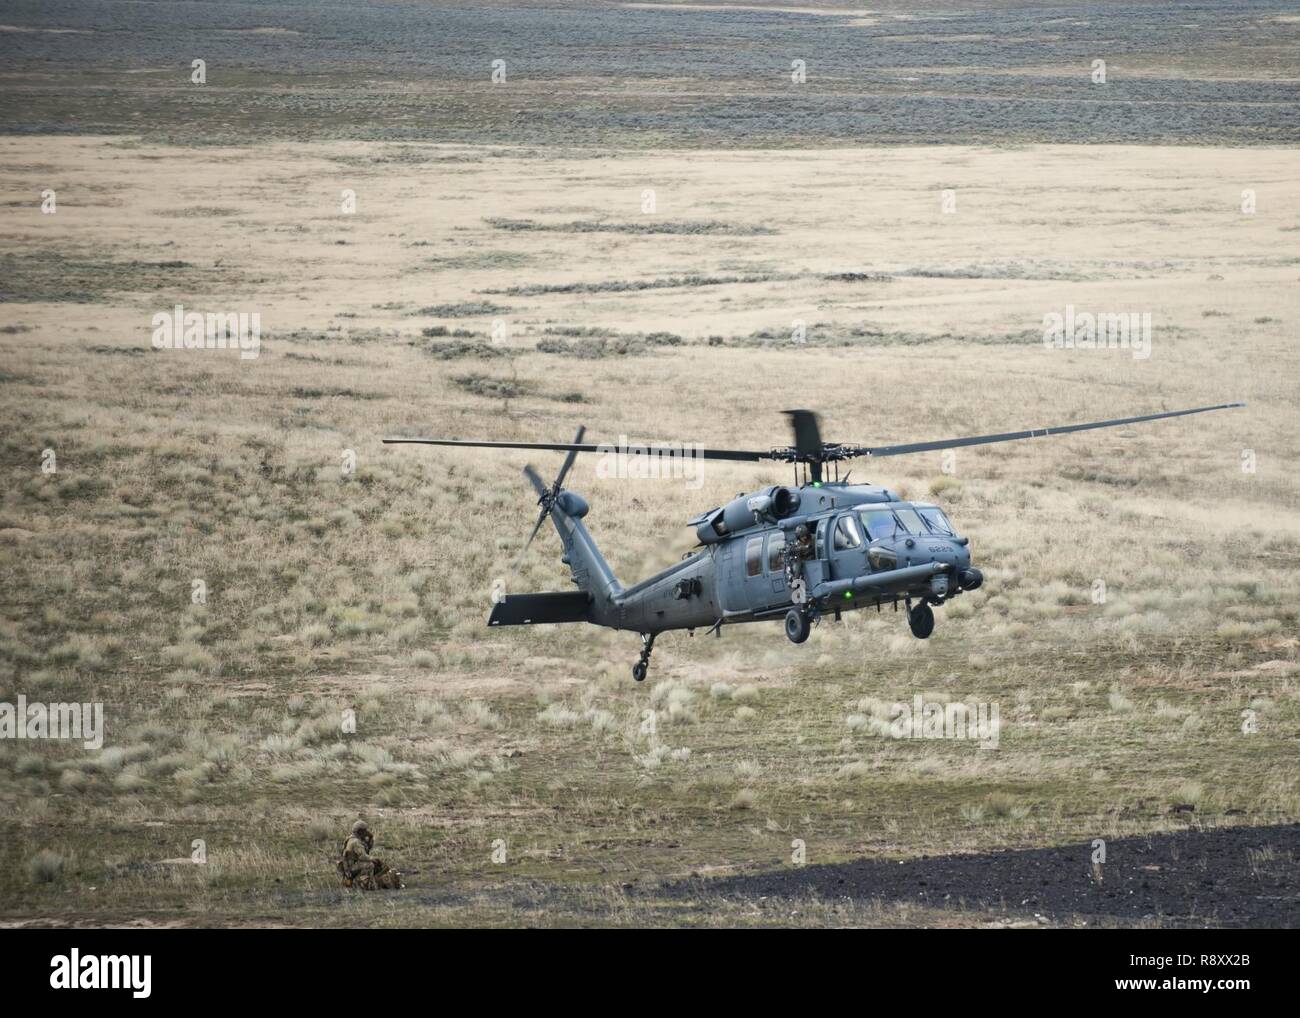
(953, 553)
(959, 574)
(954, 556)
(966, 575)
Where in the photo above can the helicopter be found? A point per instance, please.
(821, 546)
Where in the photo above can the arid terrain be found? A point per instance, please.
(221, 551)
(653, 75)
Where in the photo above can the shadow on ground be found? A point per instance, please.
(1234, 876)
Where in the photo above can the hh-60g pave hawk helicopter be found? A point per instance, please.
(821, 546)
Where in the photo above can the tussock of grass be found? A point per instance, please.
(559, 716)
(854, 769)
(476, 712)
(45, 867)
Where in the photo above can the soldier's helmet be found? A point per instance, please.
(361, 829)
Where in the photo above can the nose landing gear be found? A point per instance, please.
(642, 666)
(921, 620)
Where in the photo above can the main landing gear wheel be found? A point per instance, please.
(797, 626)
(921, 619)
(640, 669)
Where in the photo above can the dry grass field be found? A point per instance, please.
(332, 590)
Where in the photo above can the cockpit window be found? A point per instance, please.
(937, 521)
(879, 523)
(847, 534)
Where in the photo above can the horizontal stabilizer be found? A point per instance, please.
(534, 609)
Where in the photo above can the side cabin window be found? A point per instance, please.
(776, 553)
(754, 556)
(847, 534)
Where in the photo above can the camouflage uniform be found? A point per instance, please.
(359, 868)
(802, 548)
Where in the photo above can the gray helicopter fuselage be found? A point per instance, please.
(803, 552)
(858, 552)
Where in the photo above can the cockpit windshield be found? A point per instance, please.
(879, 523)
(937, 521)
(912, 521)
(921, 521)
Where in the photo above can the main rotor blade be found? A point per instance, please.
(807, 434)
(568, 460)
(678, 450)
(1011, 436)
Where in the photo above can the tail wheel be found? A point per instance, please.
(921, 620)
(797, 626)
(643, 664)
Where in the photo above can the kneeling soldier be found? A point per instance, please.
(359, 868)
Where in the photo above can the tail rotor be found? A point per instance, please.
(546, 496)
